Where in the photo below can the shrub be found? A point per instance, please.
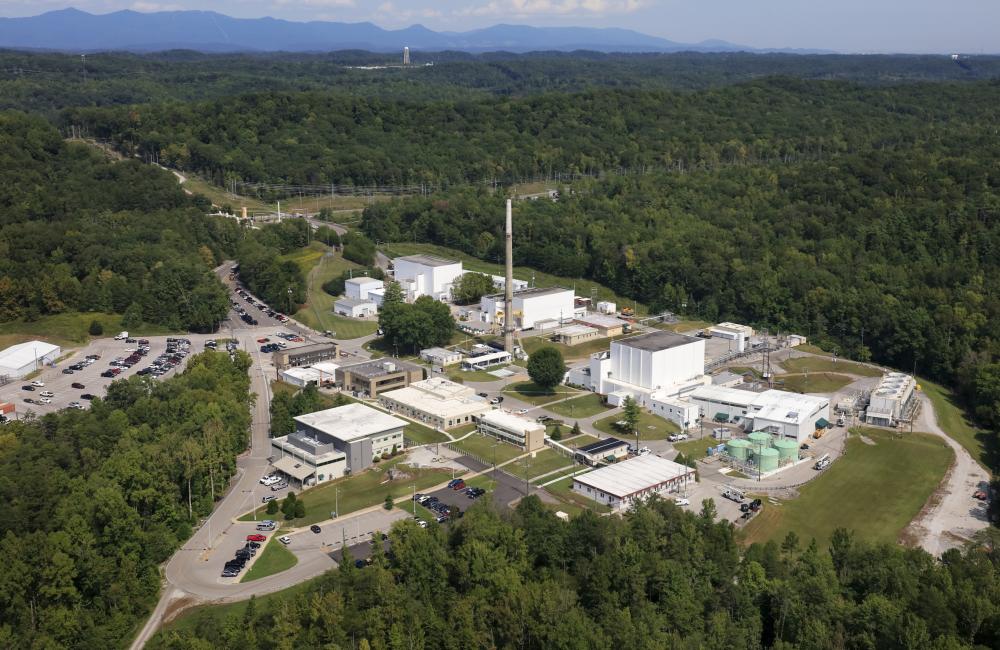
(272, 507)
(95, 329)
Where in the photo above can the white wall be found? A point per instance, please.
(540, 307)
(434, 281)
(659, 369)
(683, 414)
(360, 290)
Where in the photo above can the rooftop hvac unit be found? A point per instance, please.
(389, 366)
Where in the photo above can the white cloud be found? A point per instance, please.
(150, 7)
(552, 7)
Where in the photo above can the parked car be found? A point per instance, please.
(77, 385)
(28, 400)
(269, 497)
(47, 393)
(45, 400)
(87, 396)
(682, 502)
(483, 394)
(68, 371)
(285, 539)
(39, 384)
(28, 387)
(270, 479)
(520, 411)
(420, 522)
(256, 537)
(453, 482)
(316, 529)
(279, 486)
(459, 486)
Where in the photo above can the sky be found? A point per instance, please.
(967, 26)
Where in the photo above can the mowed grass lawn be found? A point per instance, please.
(69, 329)
(423, 435)
(580, 407)
(814, 382)
(875, 490)
(482, 447)
(696, 448)
(528, 391)
(563, 490)
(982, 444)
(461, 376)
(320, 264)
(651, 427)
(357, 492)
(544, 461)
(828, 364)
(274, 558)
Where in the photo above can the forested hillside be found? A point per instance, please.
(91, 502)
(333, 139)
(659, 578)
(81, 233)
(47, 82)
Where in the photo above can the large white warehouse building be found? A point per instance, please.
(24, 358)
(530, 306)
(426, 275)
(785, 414)
(660, 365)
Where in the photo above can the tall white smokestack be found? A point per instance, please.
(508, 286)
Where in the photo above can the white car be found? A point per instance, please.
(285, 539)
(47, 393)
(677, 437)
(521, 411)
(270, 479)
(682, 502)
(44, 400)
(38, 384)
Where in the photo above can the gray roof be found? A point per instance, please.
(427, 260)
(534, 291)
(361, 279)
(309, 349)
(353, 302)
(376, 367)
(656, 341)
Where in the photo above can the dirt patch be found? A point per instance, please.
(867, 440)
(915, 532)
(176, 607)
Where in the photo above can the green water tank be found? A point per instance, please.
(787, 449)
(760, 439)
(767, 459)
(738, 449)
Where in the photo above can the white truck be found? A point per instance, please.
(823, 462)
(121, 336)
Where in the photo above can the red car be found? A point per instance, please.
(256, 537)
(264, 340)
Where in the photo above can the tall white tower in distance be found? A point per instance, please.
(406, 56)
(508, 287)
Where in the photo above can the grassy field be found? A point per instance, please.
(651, 427)
(216, 616)
(361, 491)
(461, 376)
(812, 349)
(583, 287)
(580, 407)
(875, 490)
(274, 558)
(320, 265)
(544, 461)
(218, 196)
(69, 329)
(695, 448)
(570, 352)
(814, 382)
(980, 443)
(579, 441)
(482, 447)
(685, 326)
(422, 434)
(742, 370)
(527, 391)
(828, 364)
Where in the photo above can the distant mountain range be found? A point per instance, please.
(72, 30)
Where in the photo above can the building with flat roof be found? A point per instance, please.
(499, 282)
(437, 402)
(723, 403)
(441, 356)
(306, 355)
(682, 412)
(604, 450)
(426, 275)
(377, 376)
(330, 443)
(359, 287)
(623, 484)
(354, 307)
(739, 334)
(530, 305)
(890, 400)
(662, 362)
(607, 325)
(781, 413)
(300, 376)
(486, 360)
(576, 334)
(25, 358)
(513, 429)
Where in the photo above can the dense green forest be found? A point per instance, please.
(91, 502)
(325, 139)
(659, 578)
(47, 82)
(279, 282)
(79, 232)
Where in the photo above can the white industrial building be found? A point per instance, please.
(606, 307)
(739, 334)
(513, 429)
(300, 376)
(631, 481)
(500, 282)
(354, 307)
(661, 363)
(426, 275)
(438, 402)
(441, 356)
(680, 411)
(784, 414)
(890, 399)
(359, 288)
(25, 358)
(530, 306)
(328, 444)
(487, 360)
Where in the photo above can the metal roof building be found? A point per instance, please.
(622, 484)
(24, 358)
(439, 402)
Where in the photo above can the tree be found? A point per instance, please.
(388, 502)
(300, 509)
(556, 432)
(132, 318)
(546, 368)
(631, 414)
(272, 507)
(472, 286)
(95, 329)
(576, 429)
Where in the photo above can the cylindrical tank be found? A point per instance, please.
(759, 439)
(738, 449)
(767, 459)
(787, 449)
